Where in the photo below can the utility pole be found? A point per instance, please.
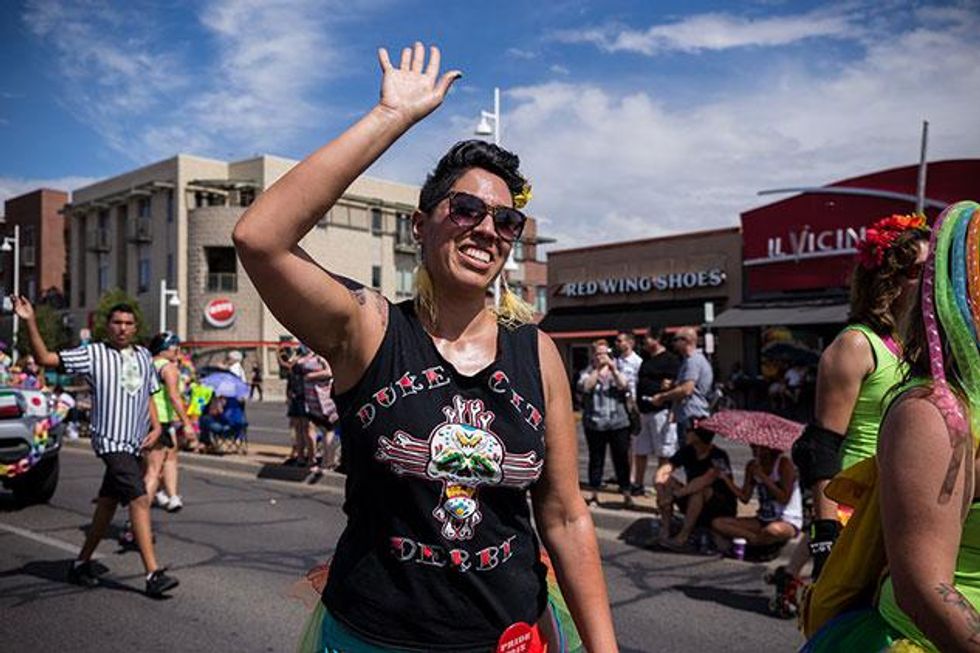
(920, 192)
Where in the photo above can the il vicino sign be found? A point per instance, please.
(807, 243)
(643, 284)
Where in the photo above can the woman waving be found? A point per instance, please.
(447, 407)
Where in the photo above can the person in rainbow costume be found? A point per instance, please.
(924, 489)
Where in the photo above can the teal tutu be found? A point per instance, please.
(324, 634)
(862, 631)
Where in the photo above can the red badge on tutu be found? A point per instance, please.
(521, 638)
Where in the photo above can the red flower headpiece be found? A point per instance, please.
(882, 235)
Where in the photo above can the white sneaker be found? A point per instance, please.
(161, 499)
(174, 504)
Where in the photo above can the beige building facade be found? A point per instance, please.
(167, 227)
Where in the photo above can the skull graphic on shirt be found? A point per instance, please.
(462, 453)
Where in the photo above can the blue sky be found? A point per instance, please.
(632, 118)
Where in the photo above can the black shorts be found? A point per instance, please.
(297, 408)
(123, 478)
(168, 434)
(716, 506)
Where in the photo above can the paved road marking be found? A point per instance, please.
(43, 539)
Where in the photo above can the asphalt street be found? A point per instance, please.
(242, 542)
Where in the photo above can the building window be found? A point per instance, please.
(246, 196)
(377, 222)
(403, 234)
(376, 276)
(222, 269)
(404, 282)
(103, 273)
(143, 207)
(170, 205)
(541, 299)
(518, 251)
(143, 273)
(121, 212)
(170, 269)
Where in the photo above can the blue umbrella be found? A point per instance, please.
(226, 384)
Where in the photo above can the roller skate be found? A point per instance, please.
(785, 601)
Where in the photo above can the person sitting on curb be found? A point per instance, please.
(780, 515)
(704, 496)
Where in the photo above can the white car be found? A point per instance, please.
(28, 447)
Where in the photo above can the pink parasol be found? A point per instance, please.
(754, 427)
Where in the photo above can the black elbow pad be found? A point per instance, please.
(816, 454)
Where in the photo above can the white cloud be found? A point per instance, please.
(110, 70)
(518, 53)
(608, 165)
(559, 69)
(148, 99)
(15, 186)
(712, 31)
(272, 55)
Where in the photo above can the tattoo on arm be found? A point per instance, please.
(951, 596)
(362, 295)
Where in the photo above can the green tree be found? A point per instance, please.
(51, 326)
(107, 301)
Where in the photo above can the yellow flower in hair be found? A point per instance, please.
(523, 197)
(905, 646)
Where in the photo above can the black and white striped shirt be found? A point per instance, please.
(121, 383)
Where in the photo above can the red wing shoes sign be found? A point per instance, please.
(220, 313)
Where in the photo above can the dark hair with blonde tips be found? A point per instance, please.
(873, 292)
(466, 155)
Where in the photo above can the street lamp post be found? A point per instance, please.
(486, 129)
(13, 243)
(174, 301)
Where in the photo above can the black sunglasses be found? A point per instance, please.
(467, 211)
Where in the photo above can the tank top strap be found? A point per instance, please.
(880, 351)
(519, 354)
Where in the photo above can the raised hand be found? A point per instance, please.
(22, 307)
(414, 90)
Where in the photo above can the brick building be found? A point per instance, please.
(42, 243)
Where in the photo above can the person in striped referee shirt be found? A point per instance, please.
(124, 423)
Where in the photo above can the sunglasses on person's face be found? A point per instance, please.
(467, 211)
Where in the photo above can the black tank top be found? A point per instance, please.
(439, 553)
